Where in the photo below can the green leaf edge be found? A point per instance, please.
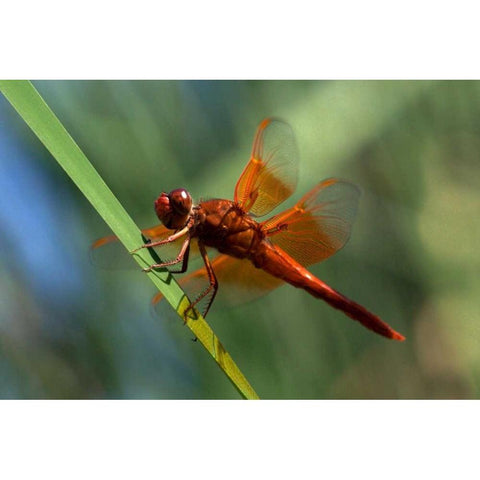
(47, 127)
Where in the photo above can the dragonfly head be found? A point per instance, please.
(173, 209)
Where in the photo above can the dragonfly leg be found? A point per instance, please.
(186, 254)
(170, 239)
(182, 257)
(212, 287)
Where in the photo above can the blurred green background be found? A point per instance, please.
(71, 330)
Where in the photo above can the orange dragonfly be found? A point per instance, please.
(262, 254)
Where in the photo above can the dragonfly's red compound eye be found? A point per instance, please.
(174, 208)
(180, 201)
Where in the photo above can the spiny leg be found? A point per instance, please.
(186, 255)
(213, 284)
(182, 256)
(170, 239)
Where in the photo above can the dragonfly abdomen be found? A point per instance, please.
(279, 264)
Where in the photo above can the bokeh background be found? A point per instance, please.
(71, 330)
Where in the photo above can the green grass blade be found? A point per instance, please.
(38, 116)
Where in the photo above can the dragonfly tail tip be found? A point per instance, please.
(397, 336)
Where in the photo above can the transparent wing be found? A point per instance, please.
(270, 176)
(238, 282)
(319, 224)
